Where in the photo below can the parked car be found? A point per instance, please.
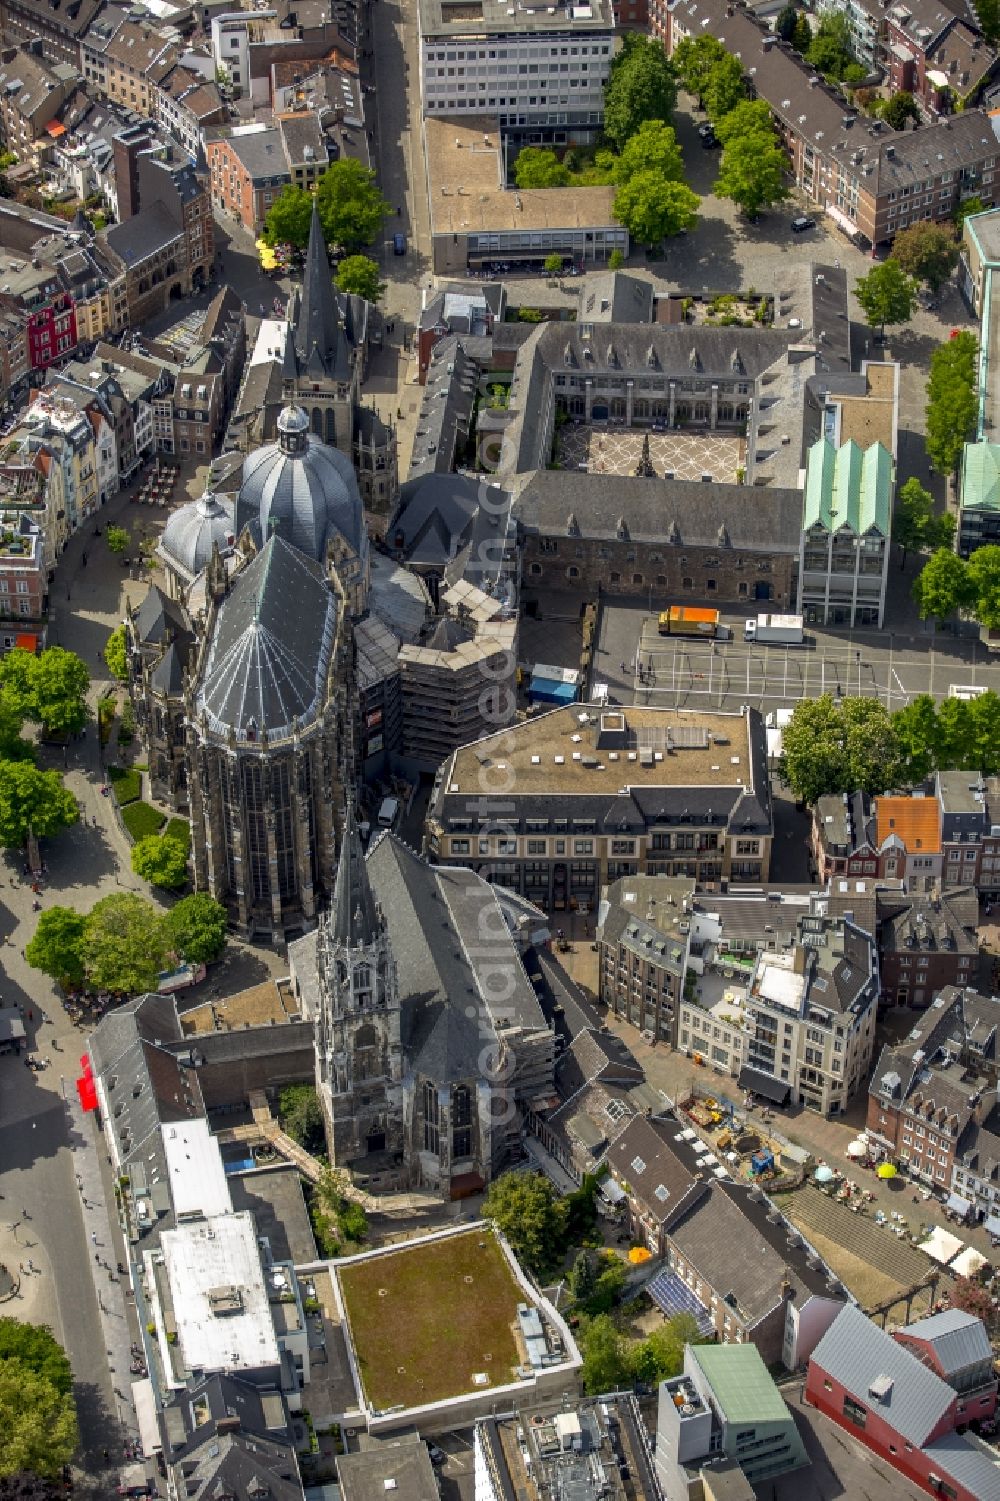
(803, 222)
(399, 244)
(707, 135)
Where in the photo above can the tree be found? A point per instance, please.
(653, 148)
(943, 586)
(581, 1277)
(901, 107)
(952, 401)
(917, 736)
(915, 527)
(753, 171)
(60, 680)
(984, 579)
(641, 86)
(117, 538)
(289, 217)
(301, 1116)
(749, 117)
(554, 263)
(160, 860)
(785, 25)
(968, 206)
(609, 1283)
(524, 1207)
(115, 655)
(988, 14)
(835, 747)
(802, 40)
(351, 207)
(57, 946)
(694, 58)
(358, 274)
(604, 1367)
(196, 928)
(653, 209)
(38, 1429)
(125, 945)
(887, 295)
(985, 728)
(927, 251)
(725, 87)
(830, 48)
(972, 1297)
(32, 801)
(538, 167)
(23, 1486)
(35, 1346)
(616, 260)
(661, 1355)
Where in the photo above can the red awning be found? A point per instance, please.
(26, 643)
(54, 128)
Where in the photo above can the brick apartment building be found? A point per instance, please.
(59, 28)
(871, 180)
(251, 165)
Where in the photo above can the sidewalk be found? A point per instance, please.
(104, 1240)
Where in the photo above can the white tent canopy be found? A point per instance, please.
(969, 1263)
(942, 1245)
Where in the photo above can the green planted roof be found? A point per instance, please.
(848, 487)
(980, 487)
(739, 1379)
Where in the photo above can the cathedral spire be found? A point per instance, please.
(317, 324)
(354, 918)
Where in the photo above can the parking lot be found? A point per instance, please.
(688, 673)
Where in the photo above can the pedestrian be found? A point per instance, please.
(93, 1236)
(84, 560)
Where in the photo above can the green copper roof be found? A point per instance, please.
(740, 1381)
(980, 487)
(848, 487)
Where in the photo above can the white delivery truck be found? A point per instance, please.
(388, 812)
(777, 630)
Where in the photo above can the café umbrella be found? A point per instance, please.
(823, 1174)
(857, 1149)
(887, 1170)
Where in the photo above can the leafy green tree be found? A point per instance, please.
(835, 747)
(23, 1486)
(616, 260)
(955, 733)
(753, 172)
(609, 1283)
(57, 946)
(32, 801)
(984, 578)
(927, 251)
(802, 40)
(653, 209)
(887, 295)
(604, 1367)
(38, 1429)
(968, 206)
(554, 263)
(524, 1207)
(538, 167)
(785, 25)
(988, 12)
(60, 680)
(749, 117)
(985, 748)
(581, 1277)
(125, 945)
(359, 275)
(581, 1211)
(115, 655)
(351, 207)
(915, 526)
(160, 860)
(830, 48)
(694, 58)
(661, 1356)
(899, 108)
(943, 586)
(117, 538)
(35, 1346)
(917, 736)
(952, 401)
(196, 928)
(301, 1116)
(725, 87)
(653, 148)
(289, 217)
(641, 86)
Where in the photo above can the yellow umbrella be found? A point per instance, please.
(886, 1170)
(639, 1254)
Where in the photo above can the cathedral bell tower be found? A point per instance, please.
(358, 1054)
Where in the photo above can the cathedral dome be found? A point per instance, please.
(301, 489)
(191, 532)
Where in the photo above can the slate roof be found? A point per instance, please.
(661, 1182)
(167, 676)
(446, 408)
(270, 651)
(594, 1055)
(158, 615)
(318, 341)
(232, 1464)
(763, 518)
(399, 1465)
(261, 154)
(958, 1339)
(617, 297)
(144, 234)
(354, 918)
(706, 1235)
(855, 1352)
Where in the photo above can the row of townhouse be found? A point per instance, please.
(145, 70)
(948, 836)
(872, 181)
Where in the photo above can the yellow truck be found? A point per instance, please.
(688, 620)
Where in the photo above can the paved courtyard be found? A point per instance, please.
(617, 450)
